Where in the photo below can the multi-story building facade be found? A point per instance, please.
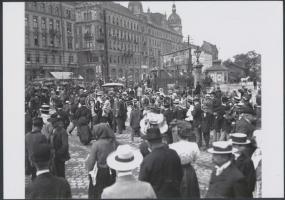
(135, 39)
(49, 38)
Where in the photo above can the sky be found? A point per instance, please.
(234, 27)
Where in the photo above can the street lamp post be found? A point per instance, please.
(198, 67)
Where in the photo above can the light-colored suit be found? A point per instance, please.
(127, 187)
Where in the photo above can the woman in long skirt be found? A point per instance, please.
(188, 153)
(104, 145)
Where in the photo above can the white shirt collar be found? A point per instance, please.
(39, 172)
(120, 174)
(220, 169)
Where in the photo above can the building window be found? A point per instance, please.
(50, 9)
(57, 11)
(44, 37)
(36, 39)
(35, 20)
(57, 25)
(50, 24)
(26, 20)
(59, 59)
(28, 57)
(69, 42)
(37, 58)
(68, 13)
(53, 59)
(44, 25)
(68, 27)
(46, 59)
(43, 7)
(34, 5)
(58, 40)
(70, 59)
(51, 41)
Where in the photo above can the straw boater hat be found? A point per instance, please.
(45, 109)
(152, 118)
(222, 147)
(239, 138)
(124, 158)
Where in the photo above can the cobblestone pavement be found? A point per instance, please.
(77, 175)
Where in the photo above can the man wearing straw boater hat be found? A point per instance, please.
(124, 160)
(226, 180)
(243, 160)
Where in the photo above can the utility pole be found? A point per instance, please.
(106, 70)
(190, 57)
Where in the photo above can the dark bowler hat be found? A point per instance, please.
(222, 147)
(239, 138)
(41, 152)
(152, 134)
(38, 121)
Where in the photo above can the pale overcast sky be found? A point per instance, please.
(235, 27)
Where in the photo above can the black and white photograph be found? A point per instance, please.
(147, 99)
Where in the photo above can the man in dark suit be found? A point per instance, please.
(226, 180)
(59, 142)
(32, 139)
(119, 114)
(207, 125)
(162, 167)
(46, 185)
(197, 119)
(243, 160)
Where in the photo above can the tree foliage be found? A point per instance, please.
(250, 62)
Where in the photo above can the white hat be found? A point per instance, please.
(151, 119)
(222, 147)
(124, 158)
(239, 138)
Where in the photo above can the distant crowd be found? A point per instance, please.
(173, 127)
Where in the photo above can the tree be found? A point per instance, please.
(250, 62)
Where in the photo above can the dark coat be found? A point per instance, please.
(243, 125)
(135, 118)
(245, 165)
(197, 116)
(230, 183)
(169, 115)
(83, 111)
(31, 139)
(48, 186)
(28, 123)
(60, 144)
(207, 122)
(120, 111)
(218, 118)
(162, 169)
(64, 115)
(179, 113)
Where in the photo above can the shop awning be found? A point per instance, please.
(65, 75)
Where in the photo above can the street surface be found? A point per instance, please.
(77, 175)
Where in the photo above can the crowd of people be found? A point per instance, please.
(174, 128)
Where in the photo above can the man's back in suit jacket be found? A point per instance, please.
(230, 183)
(48, 186)
(127, 187)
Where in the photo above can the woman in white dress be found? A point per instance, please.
(188, 152)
